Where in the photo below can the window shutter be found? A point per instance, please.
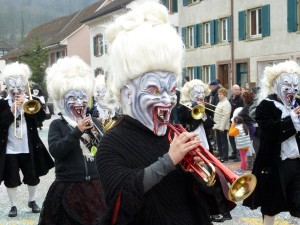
(183, 74)
(185, 2)
(195, 32)
(174, 6)
(212, 32)
(95, 47)
(199, 72)
(212, 72)
(216, 31)
(292, 15)
(229, 27)
(199, 34)
(183, 35)
(265, 20)
(163, 2)
(242, 25)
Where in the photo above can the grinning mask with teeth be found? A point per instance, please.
(149, 96)
(101, 90)
(286, 87)
(15, 86)
(74, 103)
(197, 93)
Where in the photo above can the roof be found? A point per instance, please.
(113, 5)
(5, 46)
(55, 31)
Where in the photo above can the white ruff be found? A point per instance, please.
(85, 151)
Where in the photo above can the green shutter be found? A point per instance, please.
(216, 31)
(163, 2)
(183, 74)
(292, 15)
(195, 32)
(212, 72)
(185, 2)
(265, 20)
(199, 34)
(174, 6)
(199, 72)
(229, 27)
(95, 45)
(242, 25)
(212, 33)
(183, 35)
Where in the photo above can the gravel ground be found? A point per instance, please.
(241, 215)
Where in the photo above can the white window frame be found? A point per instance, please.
(206, 74)
(206, 33)
(190, 37)
(224, 29)
(258, 21)
(191, 73)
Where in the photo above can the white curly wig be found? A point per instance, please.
(188, 86)
(270, 75)
(14, 69)
(142, 40)
(69, 73)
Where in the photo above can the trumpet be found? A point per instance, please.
(241, 187)
(94, 132)
(198, 111)
(30, 107)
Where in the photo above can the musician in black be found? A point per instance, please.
(75, 197)
(277, 164)
(21, 149)
(140, 170)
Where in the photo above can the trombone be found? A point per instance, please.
(198, 111)
(30, 107)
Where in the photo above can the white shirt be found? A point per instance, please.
(15, 145)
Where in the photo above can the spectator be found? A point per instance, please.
(221, 119)
(236, 101)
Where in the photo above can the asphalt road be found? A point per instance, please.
(241, 215)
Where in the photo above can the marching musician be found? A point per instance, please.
(75, 197)
(277, 164)
(20, 147)
(139, 169)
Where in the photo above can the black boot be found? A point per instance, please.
(13, 212)
(35, 208)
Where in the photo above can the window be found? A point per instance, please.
(206, 74)
(194, 1)
(255, 22)
(54, 56)
(206, 33)
(224, 29)
(172, 5)
(191, 73)
(100, 45)
(190, 37)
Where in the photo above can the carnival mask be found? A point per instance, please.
(149, 96)
(75, 104)
(16, 86)
(286, 87)
(197, 93)
(100, 90)
(35, 92)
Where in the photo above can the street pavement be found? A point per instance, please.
(241, 215)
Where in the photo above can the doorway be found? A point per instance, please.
(223, 75)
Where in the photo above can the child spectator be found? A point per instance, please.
(240, 131)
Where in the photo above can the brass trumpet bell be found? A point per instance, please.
(242, 187)
(198, 112)
(31, 106)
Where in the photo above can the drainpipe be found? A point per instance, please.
(233, 78)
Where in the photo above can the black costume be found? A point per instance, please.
(277, 180)
(124, 153)
(75, 197)
(40, 159)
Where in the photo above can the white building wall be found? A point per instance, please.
(279, 46)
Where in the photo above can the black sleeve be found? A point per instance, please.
(59, 145)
